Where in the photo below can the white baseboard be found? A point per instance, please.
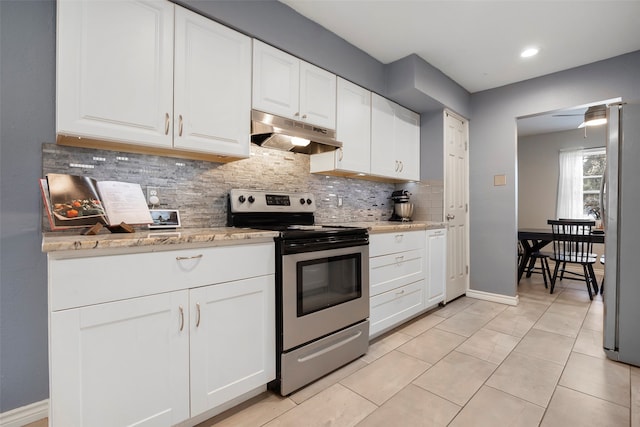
(487, 296)
(26, 414)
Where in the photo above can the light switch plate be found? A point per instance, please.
(499, 180)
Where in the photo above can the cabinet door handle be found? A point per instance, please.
(304, 116)
(340, 154)
(197, 314)
(182, 258)
(401, 166)
(397, 166)
(181, 318)
(297, 114)
(180, 125)
(166, 124)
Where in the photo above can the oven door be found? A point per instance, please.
(323, 292)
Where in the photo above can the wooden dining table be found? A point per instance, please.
(534, 239)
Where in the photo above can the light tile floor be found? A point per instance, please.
(472, 363)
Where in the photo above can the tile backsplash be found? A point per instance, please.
(199, 188)
(427, 198)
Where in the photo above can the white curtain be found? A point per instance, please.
(570, 184)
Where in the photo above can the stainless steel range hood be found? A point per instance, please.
(278, 132)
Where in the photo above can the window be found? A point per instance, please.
(593, 162)
(579, 183)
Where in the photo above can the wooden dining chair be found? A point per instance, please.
(572, 245)
(564, 264)
(531, 266)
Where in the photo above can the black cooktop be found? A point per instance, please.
(298, 231)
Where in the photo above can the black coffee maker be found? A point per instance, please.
(402, 208)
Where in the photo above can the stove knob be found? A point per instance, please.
(251, 199)
(308, 201)
(241, 199)
(302, 201)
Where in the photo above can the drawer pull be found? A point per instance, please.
(197, 314)
(399, 259)
(400, 292)
(182, 258)
(399, 237)
(181, 318)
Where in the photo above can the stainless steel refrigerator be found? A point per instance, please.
(622, 235)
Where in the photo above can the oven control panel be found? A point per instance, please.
(243, 201)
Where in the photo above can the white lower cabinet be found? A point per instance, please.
(121, 363)
(232, 340)
(397, 278)
(436, 266)
(163, 358)
(391, 308)
(406, 276)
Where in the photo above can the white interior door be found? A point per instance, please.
(456, 197)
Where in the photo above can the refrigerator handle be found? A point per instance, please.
(601, 196)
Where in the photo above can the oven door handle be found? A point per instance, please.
(332, 347)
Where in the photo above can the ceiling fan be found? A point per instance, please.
(593, 116)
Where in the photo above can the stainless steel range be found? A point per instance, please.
(322, 285)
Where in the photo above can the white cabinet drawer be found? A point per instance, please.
(388, 272)
(388, 243)
(92, 280)
(392, 308)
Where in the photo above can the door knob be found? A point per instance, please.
(450, 217)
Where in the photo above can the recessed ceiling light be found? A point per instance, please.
(529, 52)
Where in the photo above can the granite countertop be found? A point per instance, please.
(391, 226)
(74, 241)
(66, 241)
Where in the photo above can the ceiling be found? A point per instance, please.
(477, 43)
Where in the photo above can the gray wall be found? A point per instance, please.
(27, 114)
(538, 171)
(493, 150)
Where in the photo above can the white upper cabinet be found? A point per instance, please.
(407, 143)
(287, 86)
(395, 140)
(383, 151)
(115, 77)
(317, 96)
(115, 71)
(276, 81)
(212, 86)
(353, 129)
